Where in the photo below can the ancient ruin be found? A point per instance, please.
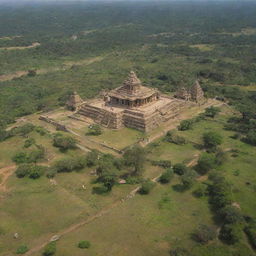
(74, 102)
(134, 105)
(195, 94)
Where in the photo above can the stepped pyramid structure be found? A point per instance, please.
(132, 105)
(74, 101)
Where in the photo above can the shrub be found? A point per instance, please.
(250, 231)
(23, 170)
(146, 187)
(187, 181)
(92, 158)
(180, 169)
(64, 142)
(84, 244)
(203, 234)
(212, 111)
(231, 233)
(70, 164)
(134, 180)
(185, 125)
(176, 139)
(22, 130)
(166, 176)
(95, 130)
(162, 163)
(231, 215)
(36, 171)
(22, 249)
(50, 249)
(205, 163)
(212, 140)
(201, 191)
(20, 157)
(250, 138)
(29, 142)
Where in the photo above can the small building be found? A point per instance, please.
(74, 102)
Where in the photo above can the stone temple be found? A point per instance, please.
(131, 105)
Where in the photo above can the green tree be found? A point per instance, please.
(212, 111)
(135, 157)
(231, 233)
(180, 168)
(22, 249)
(212, 140)
(50, 249)
(64, 142)
(231, 215)
(205, 163)
(146, 187)
(185, 125)
(166, 176)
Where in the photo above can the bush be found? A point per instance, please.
(64, 142)
(92, 158)
(176, 139)
(146, 187)
(204, 234)
(50, 249)
(23, 170)
(95, 130)
(166, 176)
(231, 215)
(20, 158)
(250, 231)
(162, 163)
(212, 111)
(250, 138)
(185, 125)
(201, 191)
(231, 233)
(84, 244)
(180, 169)
(212, 140)
(22, 130)
(29, 142)
(22, 249)
(36, 172)
(205, 163)
(187, 181)
(70, 164)
(133, 180)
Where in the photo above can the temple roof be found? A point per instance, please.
(132, 89)
(74, 100)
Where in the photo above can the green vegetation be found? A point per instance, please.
(84, 244)
(89, 47)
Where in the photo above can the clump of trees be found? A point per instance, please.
(22, 249)
(186, 125)
(64, 142)
(30, 170)
(32, 156)
(211, 111)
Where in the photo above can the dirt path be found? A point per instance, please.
(5, 173)
(33, 45)
(65, 66)
(101, 213)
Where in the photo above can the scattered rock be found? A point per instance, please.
(122, 182)
(55, 238)
(16, 235)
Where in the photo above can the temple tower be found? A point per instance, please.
(197, 94)
(74, 101)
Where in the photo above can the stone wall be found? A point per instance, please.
(58, 126)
